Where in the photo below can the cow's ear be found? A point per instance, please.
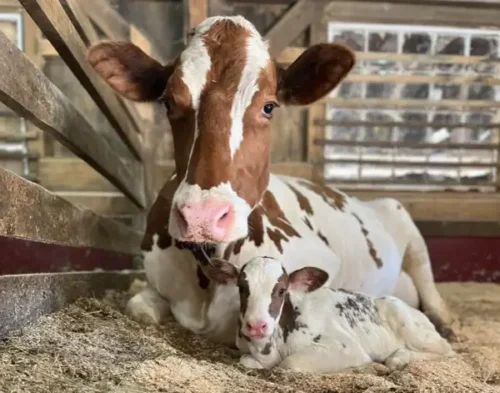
(220, 271)
(314, 74)
(129, 71)
(308, 279)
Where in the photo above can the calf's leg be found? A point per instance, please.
(403, 357)
(148, 307)
(327, 357)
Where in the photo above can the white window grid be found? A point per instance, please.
(361, 174)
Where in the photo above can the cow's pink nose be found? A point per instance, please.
(256, 329)
(204, 222)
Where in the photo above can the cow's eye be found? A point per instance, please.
(168, 104)
(281, 292)
(267, 110)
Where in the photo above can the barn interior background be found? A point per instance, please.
(418, 119)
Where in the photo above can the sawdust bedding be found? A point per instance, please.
(92, 347)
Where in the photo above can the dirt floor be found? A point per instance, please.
(92, 347)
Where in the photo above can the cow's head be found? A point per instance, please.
(220, 94)
(264, 285)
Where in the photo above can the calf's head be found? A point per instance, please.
(220, 93)
(264, 286)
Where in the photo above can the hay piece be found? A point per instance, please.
(92, 347)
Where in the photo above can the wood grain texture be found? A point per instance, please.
(196, 11)
(290, 54)
(107, 19)
(52, 19)
(31, 212)
(21, 81)
(289, 26)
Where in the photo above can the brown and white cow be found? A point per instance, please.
(220, 94)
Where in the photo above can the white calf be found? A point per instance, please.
(294, 322)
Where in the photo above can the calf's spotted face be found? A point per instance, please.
(220, 93)
(264, 287)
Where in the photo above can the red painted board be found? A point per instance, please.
(453, 258)
(465, 258)
(18, 256)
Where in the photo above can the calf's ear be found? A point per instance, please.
(129, 71)
(308, 279)
(220, 271)
(314, 74)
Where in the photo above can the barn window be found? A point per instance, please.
(418, 112)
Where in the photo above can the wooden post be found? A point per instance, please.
(195, 12)
(315, 153)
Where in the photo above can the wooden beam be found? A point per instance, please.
(379, 103)
(412, 13)
(295, 169)
(490, 4)
(104, 204)
(441, 206)
(110, 22)
(290, 54)
(348, 183)
(195, 11)
(317, 112)
(411, 164)
(33, 213)
(53, 175)
(51, 112)
(55, 24)
(89, 36)
(46, 49)
(289, 26)
(408, 145)
(423, 79)
(7, 136)
(391, 124)
(80, 20)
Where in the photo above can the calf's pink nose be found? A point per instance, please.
(256, 329)
(204, 222)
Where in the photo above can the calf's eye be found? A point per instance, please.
(281, 292)
(267, 111)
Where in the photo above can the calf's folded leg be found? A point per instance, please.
(327, 357)
(403, 357)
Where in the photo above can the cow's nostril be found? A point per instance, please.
(181, 220)
(223, 215)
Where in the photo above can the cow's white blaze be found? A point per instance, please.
(262, 274)
(195, 65)
(257, 52)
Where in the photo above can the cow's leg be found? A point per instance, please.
(148, 307)
(417, 264)
(406, 290)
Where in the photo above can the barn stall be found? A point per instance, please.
(417, 119)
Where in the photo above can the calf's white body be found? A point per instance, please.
(330, 330)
